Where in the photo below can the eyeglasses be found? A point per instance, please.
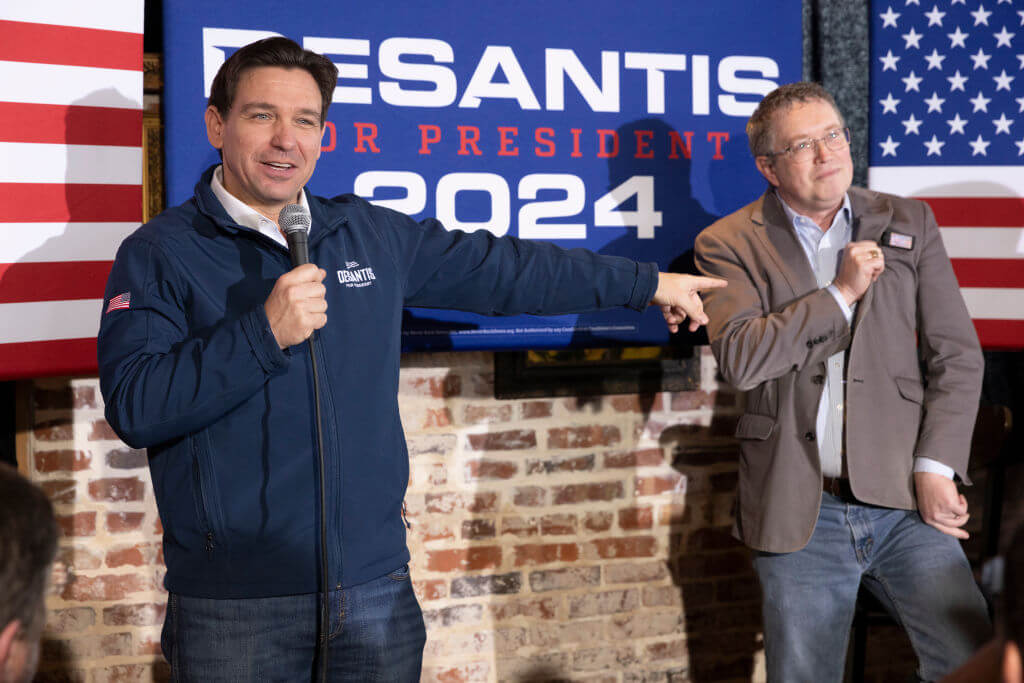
(802, 151)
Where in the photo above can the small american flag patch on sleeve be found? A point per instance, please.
(119, 302)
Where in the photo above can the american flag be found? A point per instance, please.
(120, 302)
(70, 173)
(947, 126)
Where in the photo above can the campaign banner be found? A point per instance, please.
(614, 126)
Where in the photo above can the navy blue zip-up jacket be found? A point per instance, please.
(191, 371)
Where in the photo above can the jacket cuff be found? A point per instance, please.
(263, 343)
(645, 287)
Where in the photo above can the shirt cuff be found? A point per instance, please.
(847, 311)
(922, 464)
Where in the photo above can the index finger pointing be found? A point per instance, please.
(700, 282)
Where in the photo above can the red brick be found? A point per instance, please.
(435, 387)
(71, 620)
(648, 457)
(674, 514)
(144, 614)
(511, 440)
(653, 486)
(150, 645)
(77, 524)
(582, 463)
(632, 546)
(488, 470)
(583, 493)
(519, 526)
(77, 557)
(438, 475)
(430, 589)
(609, 602)
(546, 553)
(583, 437)
(117, 489)
(692, 400)
(435, 530)
(477, 414)
(564, 579)
(449, 502)
(121, 673)
(101, 431)
(636, 518)
(579, 404)
(120, 522)
(641, 572)
(60, 429)
(436, 417)
(105, 587)
(60, 490)
(558, 525)
(464, 559)
(62, 461)
(135, 555)
(126, 459)
(665, 596)
(637, 403)
(545, 608)
(529, 496)
(456, 615)
(536, 409)
(598, 521)
(595, 659)
(473, 529)
(476, 672)
(674, 649)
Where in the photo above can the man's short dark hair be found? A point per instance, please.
(28, 543)
(759, 126)
(276, 51)
(1013, 589)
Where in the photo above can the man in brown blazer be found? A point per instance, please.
(844, 326)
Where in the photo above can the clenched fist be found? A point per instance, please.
(862, 263)
(297, 305)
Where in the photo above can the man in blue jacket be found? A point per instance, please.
(201, 363)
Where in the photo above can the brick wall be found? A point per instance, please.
(552, 539)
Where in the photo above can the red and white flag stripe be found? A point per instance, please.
(980, 212)
(70, 174)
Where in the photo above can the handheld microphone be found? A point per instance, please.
(295, 221)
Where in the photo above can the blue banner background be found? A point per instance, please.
(689, 193)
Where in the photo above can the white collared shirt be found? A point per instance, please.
(245, 215)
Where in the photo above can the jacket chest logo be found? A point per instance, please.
(354, 275)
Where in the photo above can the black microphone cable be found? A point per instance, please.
(295, 222)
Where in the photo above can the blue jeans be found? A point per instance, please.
(918, 572)
(376, 633)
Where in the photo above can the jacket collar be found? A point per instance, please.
(872, 213)
(781, 243)
(208, 205)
